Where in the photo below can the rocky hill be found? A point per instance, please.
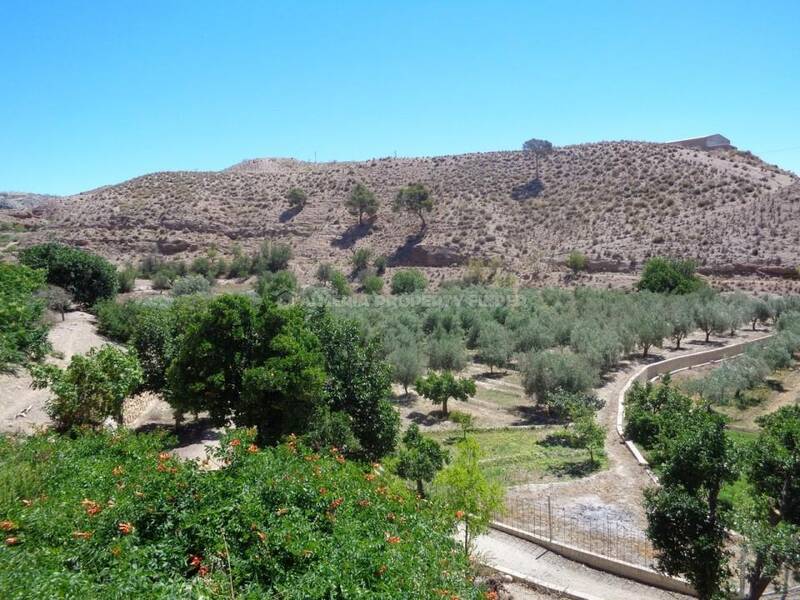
(618, 202)
(23, 200)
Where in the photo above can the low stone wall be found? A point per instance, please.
(602, 563)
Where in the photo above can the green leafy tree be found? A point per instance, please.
(494, 345)
(92, 388)
(408, 281)
(420, 458)
(464, 487)
(464, 420)
(588, 434)
(262, 367)
(669, 276)
(331, 429)
(358, 383)
(416, 199)
(772, 522)
(86, 276)
(441, 387)
(362, 201)
(408, 363)
(685, 521)
(297, 198)
(153, 337)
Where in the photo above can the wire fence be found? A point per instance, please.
(604, 536)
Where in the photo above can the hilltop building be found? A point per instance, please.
(709, 142)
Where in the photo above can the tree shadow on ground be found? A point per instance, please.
(576, 469)
(491, 375)
(351, 235)
(775, 385)
(398, 256)
(535, 415)
(199, 430)
(429, 419)
(708, 344)
(406, 399)
(289, 214)
(528, 190)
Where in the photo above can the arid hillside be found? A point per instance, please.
(618, 202)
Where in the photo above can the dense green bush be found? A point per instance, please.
(272, 256)
(111, 515)
(86, 276)
(91, 389)
(22, 333)
(408, 281)
(669, 276)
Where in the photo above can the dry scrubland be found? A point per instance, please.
(618, 202)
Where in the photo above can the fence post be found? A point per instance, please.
(549, 519)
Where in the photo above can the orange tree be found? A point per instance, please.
(105, 515)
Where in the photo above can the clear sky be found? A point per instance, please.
(92, 93)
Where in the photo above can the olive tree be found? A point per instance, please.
(362, 201)
(543, 373)
(408, 363)
(416, 199)
(494, 345)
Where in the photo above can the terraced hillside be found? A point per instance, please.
(616, 201)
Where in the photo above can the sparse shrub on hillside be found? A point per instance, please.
(670, 276)
(272, 256)
(92, 388)
(86, 276)
(416, 199)
(297, 198)
(362, 201)
(441, 387)
(372, 284)
(279, 287)
(361, 258)
(408, 281)
(162, 280)
(324, 272)
(380, 264)
(577, 262)
(127, 279)
(191, 284)
(340, 285)
(241, 265)
(202, 265)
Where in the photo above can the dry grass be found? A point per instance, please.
(618, 202)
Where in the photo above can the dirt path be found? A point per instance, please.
(21, 407)
(501, 550)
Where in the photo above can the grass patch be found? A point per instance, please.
(519, 456)
(505, 399)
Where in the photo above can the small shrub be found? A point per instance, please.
(191, 284)
(408, 281)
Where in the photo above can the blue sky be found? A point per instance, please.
(92, 93)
